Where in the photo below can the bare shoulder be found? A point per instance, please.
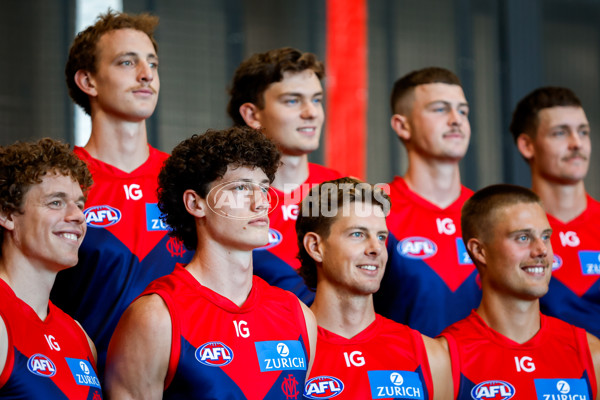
(3, 344)
(594, 344)
(311, 328)
(439, 363)
(90, 342)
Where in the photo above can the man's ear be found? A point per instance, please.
(525, 146)
(401, 126)
(250, 114)
(312, 245)
(86, 82)
(477, 250)
(6, 221)
(194, 204)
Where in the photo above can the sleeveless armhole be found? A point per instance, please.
(10, 354)
(454, 361)
(586, 358)
(423, 360)
(302, 320)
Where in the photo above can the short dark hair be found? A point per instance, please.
(200, 160)
(24, 164)
(401, 99)
(525, 117)
(311, 219)
(83, 53)
(255, 74)
(478, 211)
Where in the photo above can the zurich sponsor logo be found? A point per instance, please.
(41, 365)
(590, 262)
(275, 237)
(214, 354)
(556, 262)
(561, 389)
(497, 390)
(280, 355)
(102, 216)
(416, 247)
(83, 373)
(323, 387)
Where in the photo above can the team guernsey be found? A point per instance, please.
(574, 293)
(125, 248)
(276, 262)
(222, 351)
(556, 364)
(387, 360)
(48, 359)
(430, 281)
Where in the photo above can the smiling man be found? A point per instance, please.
(44, 353)
(552, 133)
(279, 92)
(112, 73)
(210, 330)
(342, 232)
(506, 346)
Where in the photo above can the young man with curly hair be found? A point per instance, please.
(279, 92)
(112, 73)
(44, 353)
(342, 234)
(212, 330)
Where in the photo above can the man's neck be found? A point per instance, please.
(345, 315)
(292, 172)
(518, 320)
(563, 202)
(437, 182)
(121, 144)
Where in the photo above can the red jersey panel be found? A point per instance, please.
(555, 364)
(276, 262)
(220, 350)
(430, 281)
(48, 359)
(574, 293)
(386, 360)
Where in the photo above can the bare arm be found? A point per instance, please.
(138, 354)
(441, 370)
(594, 344)
(311, 327)
(90, 342)
(3, 345)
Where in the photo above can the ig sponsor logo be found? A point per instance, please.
(41, 365)
(497, 390)
(323, 387)
(214, 354)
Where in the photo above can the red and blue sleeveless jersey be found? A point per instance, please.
(430, 281)
(222, 351)
(387, 360)
(277, 262)
(574, 292)
(125, 248)
(48, 359)
(555, 364)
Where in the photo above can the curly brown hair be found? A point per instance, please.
(200, 160)
(83, 52)
(24, 164)
(255, 74)
(311, 219)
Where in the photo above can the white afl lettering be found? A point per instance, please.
(569, 238)
(241, 328)
(355, 358)
(524, 364)
(289, 212)
(445, 226)
(133, 191)
(52, 343)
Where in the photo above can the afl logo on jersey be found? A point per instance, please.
(214, 354)
(275, 238)
(323, 387)
(102, 216)
(556, 262)
(41, 365)
(497, 390)
(416, 247)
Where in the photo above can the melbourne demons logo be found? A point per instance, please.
(214, 354)
(175, 247)
(289, 387)
(323, 387)
(275, 237)
(41, 365)
(102, 216)
(497, 390)
(417, 247)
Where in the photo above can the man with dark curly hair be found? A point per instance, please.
(279, 92)
(210, 330)
(342, 235)
(112, 73)
(44, 353)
